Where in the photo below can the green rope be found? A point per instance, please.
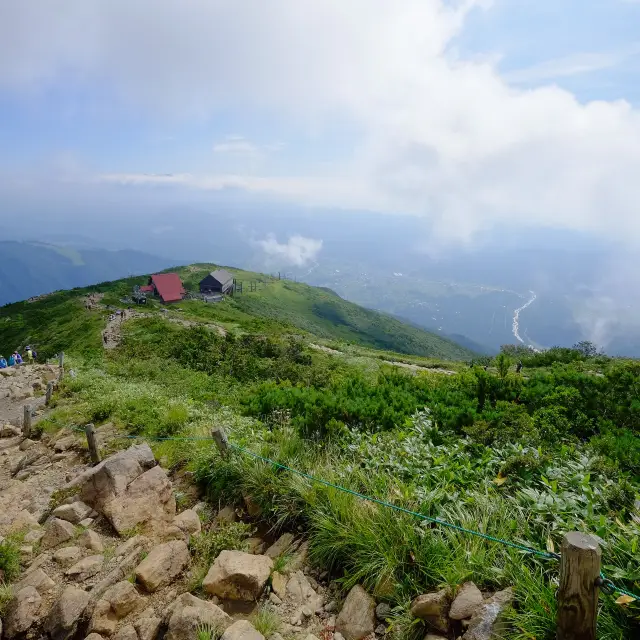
(395, 507)
(606, 585)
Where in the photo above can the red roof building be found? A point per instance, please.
(168, 286)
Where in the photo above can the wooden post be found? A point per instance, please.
(61, 360)
(222, 442)
(578, 590)
(26, 421)
(47, 398)
(94, 452)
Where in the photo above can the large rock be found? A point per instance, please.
(24, 520)
(62, 621)
(56, 532)
(466, 602)
(147, 626)
(242, 630)
(280, 547)
(300, 591)
(111, 477)
(123, 598)
(127, 632)
(358, 616)
(38, 579)
(91, 540)
(487, 622)
(279, 584)
(67, 556)
(434, 609)
(236, 575)
(164, 563)
(148, 499)
(128, 489)
(189, 613)
(74, 512)
(104, 620)
(188, 522)
(24, 611)
(86, 567)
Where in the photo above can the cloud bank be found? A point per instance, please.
(298, 251)
(422, 129)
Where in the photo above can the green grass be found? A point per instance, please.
(9, 559)
(6, 595)
(566, 441)
(266, 621)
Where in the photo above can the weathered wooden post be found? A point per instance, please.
(61, 361)
(26, 421)
(49, 393)
(578, 590)
(92, 442)
(221, 440)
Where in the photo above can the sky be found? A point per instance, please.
(472, 113)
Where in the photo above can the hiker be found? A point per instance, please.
(519, 366)
(11, 362)
(29, 353)
(17, 357)
(3, 362)
(104, 337)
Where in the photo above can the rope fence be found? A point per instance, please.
(605, 584)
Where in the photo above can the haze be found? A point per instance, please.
(375, 147)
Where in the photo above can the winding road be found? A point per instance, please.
(516, 319)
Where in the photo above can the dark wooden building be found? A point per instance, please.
(219, 281)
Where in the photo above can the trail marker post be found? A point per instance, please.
(221, 440)
(26, 421)
(578, 590)
(92, 442)
(47, 397)
(61, 361)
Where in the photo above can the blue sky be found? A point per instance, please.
(472, 113)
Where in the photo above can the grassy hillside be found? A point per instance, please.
(522, 457)
(275, 306)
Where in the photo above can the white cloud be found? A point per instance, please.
(438, 135)
(297, 251)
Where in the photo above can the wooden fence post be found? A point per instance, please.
(94, 452)
(26, 421)
(222, 442)
(47, 397)
(61, 361)
(578, 590)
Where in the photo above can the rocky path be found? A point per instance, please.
(104, 554)
(393, 363)
(112, 334)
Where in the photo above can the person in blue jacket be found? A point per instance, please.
(3, 362)
(18, 358)
(11, 361)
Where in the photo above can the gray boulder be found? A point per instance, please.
(62, 621)
(236, 575)
(242, 630)
(466, 602)
(358, 616)
(488, 621)
(163, 564)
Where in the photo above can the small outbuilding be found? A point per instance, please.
(167, 286)
(219, 281)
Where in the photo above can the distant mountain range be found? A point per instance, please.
(32, 268)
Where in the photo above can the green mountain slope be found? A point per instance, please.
(59, 321)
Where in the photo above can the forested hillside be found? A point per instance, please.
(300, 376)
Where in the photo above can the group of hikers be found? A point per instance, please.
(15, 358)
